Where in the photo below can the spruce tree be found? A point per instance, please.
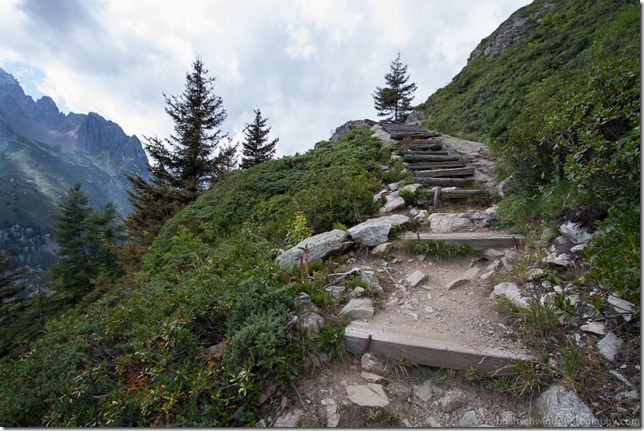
(84, 239)
(396, 97)
(185, 165)
(256, 148)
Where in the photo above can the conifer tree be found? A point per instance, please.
(256, 148)
(185, 164)
(396, 97)
(84, 238)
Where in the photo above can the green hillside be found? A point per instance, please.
(195, 336)
(558, 39)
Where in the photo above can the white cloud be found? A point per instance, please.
(309, 65)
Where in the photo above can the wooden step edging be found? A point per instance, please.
(425, 349)
(443, 182)
(476, 239)
(434, 165)
(430, 158)
(448, 172)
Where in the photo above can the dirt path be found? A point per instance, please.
(417, 396)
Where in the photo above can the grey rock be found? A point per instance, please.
(335, 291)
(371, 279)
(369, 395)
(609, 346)
(468, 420)
(622, 306)
(376, 231)
(393, 201)
(289, 420)
(383, 248)
(370, 362)
(575, 232)
(432, 422)
(467, 276)
(358, 308)
(372, 378)
(319, 246)
(459, 222)
(561, 408)
(415, 278)
(597, 328)
(332, 416)
(511, 292)
(346, 128)
(452, 400)
(424, 391)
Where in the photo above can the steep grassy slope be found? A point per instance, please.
(205, 327)
(536, 42)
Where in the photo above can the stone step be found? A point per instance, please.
(430, 158)
(442, 173)
(434, 165)
(419, 347)
(476, 239)
(443, 182)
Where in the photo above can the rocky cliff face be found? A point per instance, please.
(511, 32)
(43, 152)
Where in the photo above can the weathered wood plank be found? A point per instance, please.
(434, 165)
(457, 193)
(443, 182)
(451, 172)
(420, 153)
(430, 158)
(414, 135)
(427, 349)
(476, 239)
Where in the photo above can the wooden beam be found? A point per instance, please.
(414, 135)
(476, 239)
(441, 173)
(430, 158)
(420, 347)
(443, 182)
(434, 165)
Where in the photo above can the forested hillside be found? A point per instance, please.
(202, 334)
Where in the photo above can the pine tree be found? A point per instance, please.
(396, 97)
(256, 148)
(185, 165)
(84, 239)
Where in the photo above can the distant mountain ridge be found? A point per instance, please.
(43, 152)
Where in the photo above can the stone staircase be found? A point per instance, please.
(444, 176)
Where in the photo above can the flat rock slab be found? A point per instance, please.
(415, 278)
(376, 230)
(319, 246)
(561, 408)
(609, 346)
(419, 347)
(476, 239)
(358, 308)
(510, 291)
(463, 279)
(369, 395)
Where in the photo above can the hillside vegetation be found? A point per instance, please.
(201, 335)
(140, 355)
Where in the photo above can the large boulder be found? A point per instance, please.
(319, 246)
(460, 222)
(376, 231)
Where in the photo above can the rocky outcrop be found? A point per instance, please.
(376, 231)
(318, 246)
(513, 31)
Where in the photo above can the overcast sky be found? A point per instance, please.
(308, 65)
